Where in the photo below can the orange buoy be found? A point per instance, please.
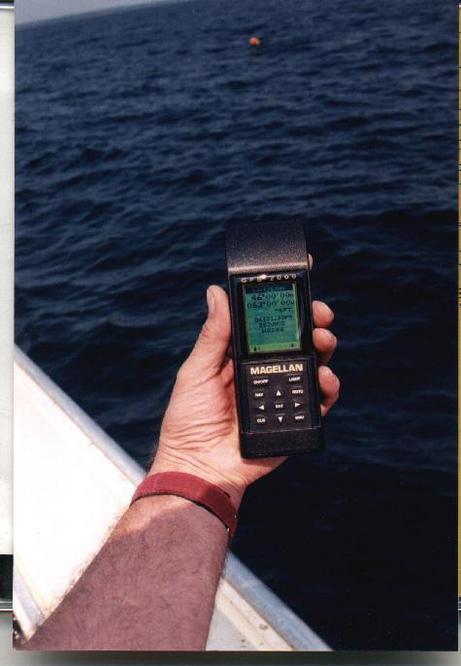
(254, 41)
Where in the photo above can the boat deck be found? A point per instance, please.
(71, 484)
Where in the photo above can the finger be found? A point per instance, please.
(325, 343)
(329, 386)
(227, 372)
(323, 315)
(310, 261)
(211, 346)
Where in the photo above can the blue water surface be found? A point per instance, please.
(139, 134)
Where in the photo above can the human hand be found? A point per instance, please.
(200, 433)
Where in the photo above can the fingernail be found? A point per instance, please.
(327, 370)
(210, 301)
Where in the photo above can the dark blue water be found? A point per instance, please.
(139, 134)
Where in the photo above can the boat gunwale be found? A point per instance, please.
(277, 614)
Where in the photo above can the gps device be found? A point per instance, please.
(275, 362)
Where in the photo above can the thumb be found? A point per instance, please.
(211, 346)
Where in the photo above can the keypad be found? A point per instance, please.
(279, 400)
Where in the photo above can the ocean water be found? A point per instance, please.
(139, 134)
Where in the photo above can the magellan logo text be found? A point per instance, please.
(273, 369)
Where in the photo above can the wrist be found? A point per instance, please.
(165, 462)
(193, 489)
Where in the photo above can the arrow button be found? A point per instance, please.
(297, 404)
(280, 419)
(262, 407)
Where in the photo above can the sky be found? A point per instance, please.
(27, 11)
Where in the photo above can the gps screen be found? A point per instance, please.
(271, 317)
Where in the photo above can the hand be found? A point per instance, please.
(199, 433)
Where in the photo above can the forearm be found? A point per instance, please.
(151, 587)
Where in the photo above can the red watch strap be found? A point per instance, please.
(193, 488)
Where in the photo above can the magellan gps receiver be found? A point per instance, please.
(275, 363)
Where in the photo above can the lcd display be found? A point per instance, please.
(271, 317)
